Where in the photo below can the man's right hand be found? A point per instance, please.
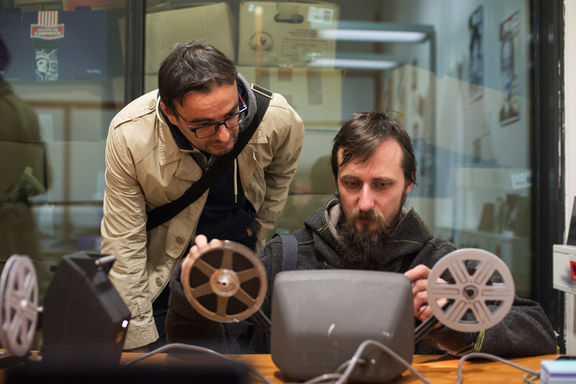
(419, 278)
(200, 246)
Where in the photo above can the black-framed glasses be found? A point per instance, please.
(210, 129)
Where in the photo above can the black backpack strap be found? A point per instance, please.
(290, 251)
(167, 211)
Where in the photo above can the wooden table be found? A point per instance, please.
(436, 369)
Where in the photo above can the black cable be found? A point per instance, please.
(261, 320)
(425, 327)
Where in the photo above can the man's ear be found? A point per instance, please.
(409, 188)
(173, 119)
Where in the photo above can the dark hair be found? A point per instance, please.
(364, 132)
(4, 55)
(193, 67)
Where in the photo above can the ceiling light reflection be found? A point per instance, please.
(371, 35)
(353, 63)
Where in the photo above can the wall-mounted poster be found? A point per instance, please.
(56, 46)
(476, 52)
(509, 112)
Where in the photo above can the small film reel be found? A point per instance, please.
(18, 305)
(470, 290)
(225, 284)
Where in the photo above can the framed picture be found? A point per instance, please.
(476, 53)
(509, 111)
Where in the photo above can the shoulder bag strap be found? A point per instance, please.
(289, 251)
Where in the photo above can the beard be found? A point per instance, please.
(362, 247)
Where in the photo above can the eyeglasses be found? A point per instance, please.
(210, 129)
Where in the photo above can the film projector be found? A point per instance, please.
(83, 319)
(320, 317)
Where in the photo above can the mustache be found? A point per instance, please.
(370, 215)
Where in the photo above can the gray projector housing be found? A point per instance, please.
(320, 317)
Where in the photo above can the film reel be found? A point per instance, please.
(478, 286)
(18, 305)
(225, 284)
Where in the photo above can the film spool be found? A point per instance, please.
(18, 305)
(225, 284)
(478, 286)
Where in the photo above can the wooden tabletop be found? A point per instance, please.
(436, 369)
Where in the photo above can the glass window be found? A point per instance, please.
(456, 72)
(64, 82)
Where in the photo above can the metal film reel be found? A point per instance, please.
(225, 284)
(18, 305)
(478, 286)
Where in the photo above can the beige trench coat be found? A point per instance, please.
(146, 169)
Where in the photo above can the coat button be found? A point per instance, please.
(158, 281)
(152, 104)
(179, 239)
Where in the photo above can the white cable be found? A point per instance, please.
(348, 367)
(196, 348)
(488, 356)
(331, 377)
(356, 358)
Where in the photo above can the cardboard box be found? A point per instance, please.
(315, 93)
(285, 33)
(211, 23)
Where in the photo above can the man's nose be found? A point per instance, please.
(223, 133)
(365, 199)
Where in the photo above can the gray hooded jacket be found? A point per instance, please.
(525, 331)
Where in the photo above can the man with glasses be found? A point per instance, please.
(161, 144)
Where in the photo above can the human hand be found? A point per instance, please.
(200, 246)
(419, 278)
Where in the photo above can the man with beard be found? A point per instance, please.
(368, 227)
